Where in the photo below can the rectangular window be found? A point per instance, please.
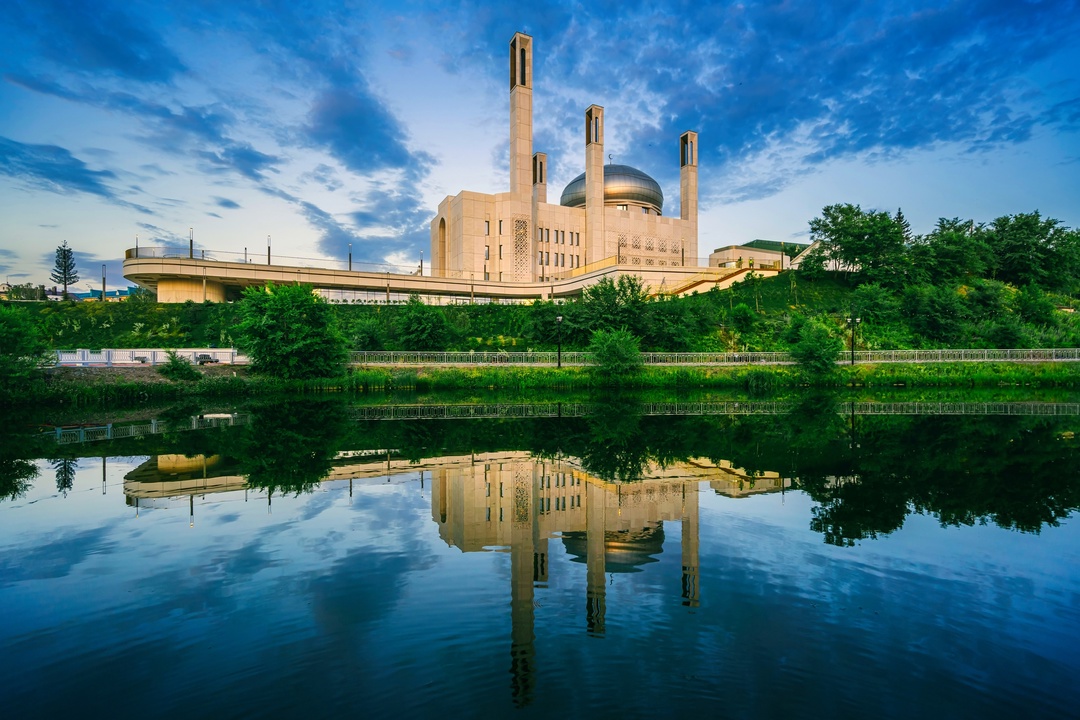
(547, 258)
(487, 227)
(579, 261)
(500, 252)
(489, 514)
(500, 227)
(539, 257)
(620, 207)
(562, 259)
(644, 211)
(500, 277)
(547, 235)
(487, 275)
(487, 252)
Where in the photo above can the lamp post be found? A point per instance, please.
(191, 243)
(558, 324)
(350, 257)
(267, 249)
(102, 283)
(854, 323)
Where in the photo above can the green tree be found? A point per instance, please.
(870, 243)
(64, 271)
(422, 327)
(615, 304)
(817, 349)
(290, 332)
(1028, 249)
(955, 251)
(616, 352)
(23, 352)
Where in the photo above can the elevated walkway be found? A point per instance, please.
(181, 278)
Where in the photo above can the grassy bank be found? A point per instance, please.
(104, 386)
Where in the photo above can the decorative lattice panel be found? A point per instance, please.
(522, 256)
(635, 242)
(662, 247)
(622, 240)
(523, 474)
(676, 247)
(649, 244)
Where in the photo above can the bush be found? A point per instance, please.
(178, 369)
(817, 349)
(22, 350)
(616, 352)
(291, 333)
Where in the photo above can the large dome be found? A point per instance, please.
(622, 185)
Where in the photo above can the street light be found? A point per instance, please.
(267, 249)
(102, 283)
(558, 324)
(854, 323)
(350, 257)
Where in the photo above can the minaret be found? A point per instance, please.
(595, 577)
(594, 185)
(521, 111)
(688, 193)
(539, 177)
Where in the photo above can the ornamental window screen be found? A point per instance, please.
(635, 242)
(648, 261)
(662, 246)
(522, 256)
(649, 244)
(523, 477)
(676, 246)
(635, 260)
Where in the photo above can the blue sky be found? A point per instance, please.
(328, 123)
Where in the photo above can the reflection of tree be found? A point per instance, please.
(290, 446)
(16, 477)
(615, 446)
(65, 473)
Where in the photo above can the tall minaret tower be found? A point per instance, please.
(688, 194)
(521, 114)
(594, 185)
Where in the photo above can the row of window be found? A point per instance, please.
(544, 235)
(544, 257)
(487, 252)
(644, 210)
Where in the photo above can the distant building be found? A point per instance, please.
(758, 254)
(608, 215)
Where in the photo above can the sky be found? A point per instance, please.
(323, 124)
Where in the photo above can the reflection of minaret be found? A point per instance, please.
(595, 602)
(690, 590)
(523, 572)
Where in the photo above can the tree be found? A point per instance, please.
(290, 332)
(615, 352)
(64, 271)
(65, 473)
(422, 327)
(817, 349)
(871, 243)
(22, 350)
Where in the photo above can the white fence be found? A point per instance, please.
(143, 356)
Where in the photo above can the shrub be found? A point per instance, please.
(178, 369)
(817, 349)
(616, 352)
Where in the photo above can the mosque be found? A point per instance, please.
(609, 215)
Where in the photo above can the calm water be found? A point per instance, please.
(814, 559)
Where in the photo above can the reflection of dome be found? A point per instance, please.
(624, 550)
(622, 184)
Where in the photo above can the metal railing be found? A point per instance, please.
(157, 356)
(734, 358)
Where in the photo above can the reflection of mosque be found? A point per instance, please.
(515, 501)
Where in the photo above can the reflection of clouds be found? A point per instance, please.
(45, 557)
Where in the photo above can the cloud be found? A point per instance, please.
(361, 133)
(55, 169)
(96, 38)
(226, 203)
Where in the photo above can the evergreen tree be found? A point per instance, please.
(64, 271)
